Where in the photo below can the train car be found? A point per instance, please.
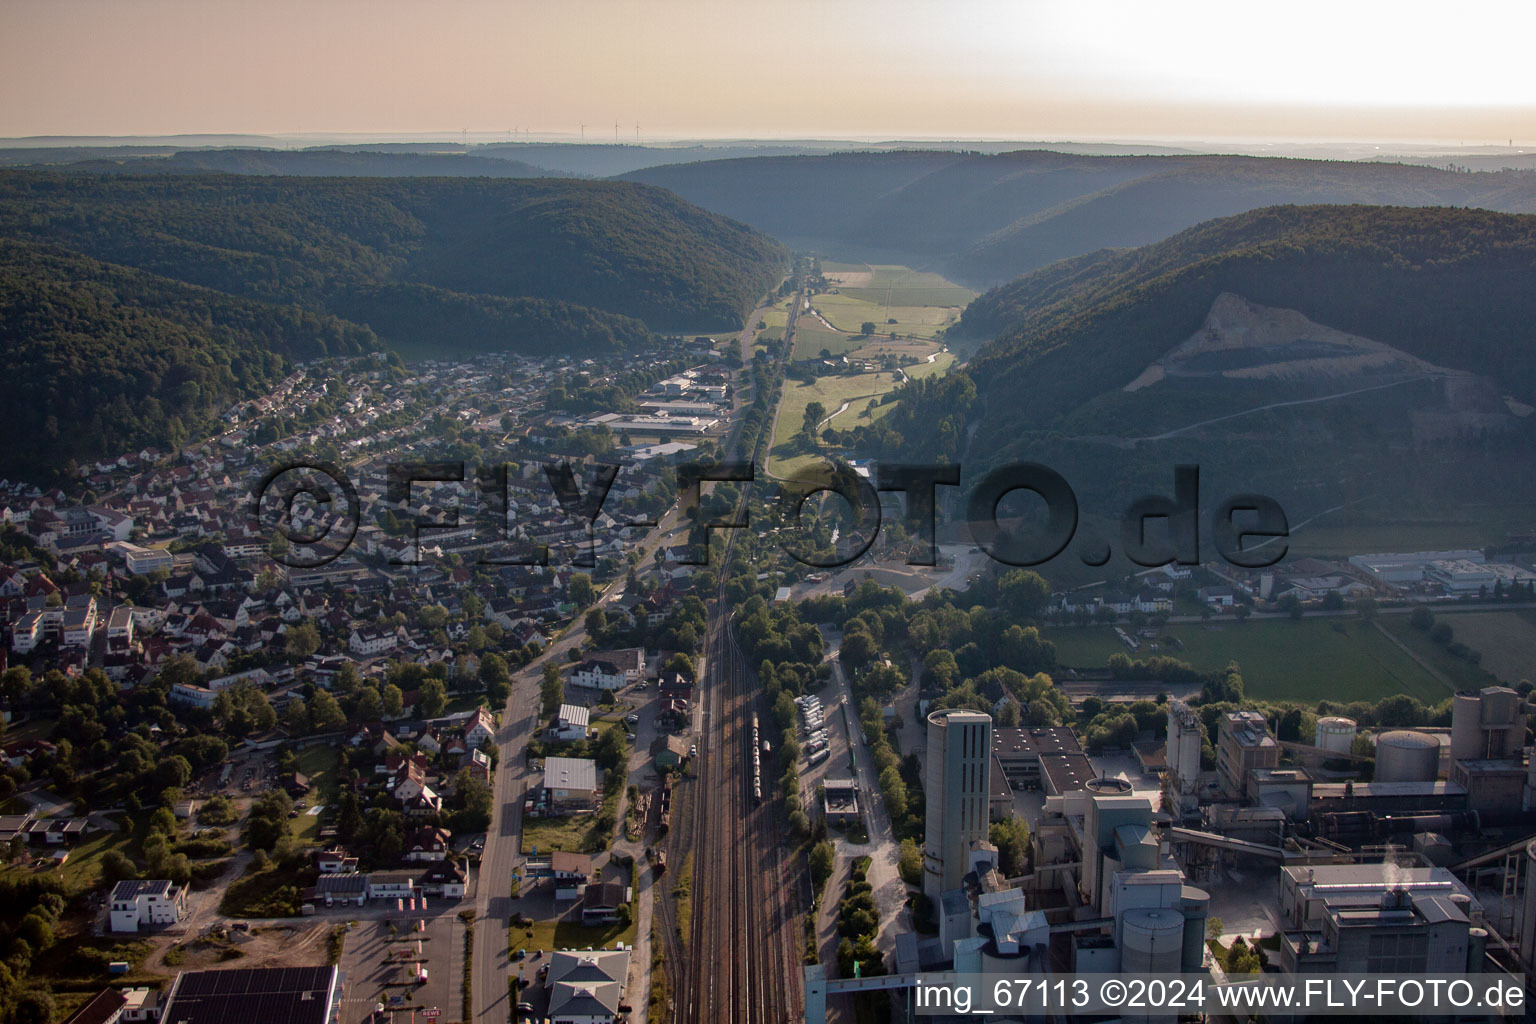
(818, 757)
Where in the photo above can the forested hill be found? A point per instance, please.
(457, 247)
(102, 358)
(986, 218)
(1371, 358)
(134, 308)
(1454, 287)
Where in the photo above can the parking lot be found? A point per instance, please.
(379, 960)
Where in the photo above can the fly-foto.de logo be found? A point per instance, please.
(312, 512)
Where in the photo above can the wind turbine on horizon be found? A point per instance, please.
(583, 130)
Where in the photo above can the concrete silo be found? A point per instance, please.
(1335, 734)
(1407, 756)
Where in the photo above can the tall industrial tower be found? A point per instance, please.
(1183, 761)
(956, 783)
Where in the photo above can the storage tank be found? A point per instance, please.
(1195, 904)
(1407, 756)
(1335, 734)
(1108, 787)
(1152, 941)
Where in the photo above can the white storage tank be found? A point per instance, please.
(1407, 756)
(1335, 734)
(1152, 941)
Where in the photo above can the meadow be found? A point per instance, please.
(1306, 661)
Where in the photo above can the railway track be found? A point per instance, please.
(741, 962)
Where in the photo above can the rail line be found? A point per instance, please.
(741, 960)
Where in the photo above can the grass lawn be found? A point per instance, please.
(1305, 661)
(786, 454)
(549, 935)
(320, 763)
(575, 833)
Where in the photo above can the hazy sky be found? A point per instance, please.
(1399, 70)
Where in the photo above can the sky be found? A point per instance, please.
(1080, 69)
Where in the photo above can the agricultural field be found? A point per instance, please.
(897, 300)
(1506, 640)
(893, 285)
(1307, 661)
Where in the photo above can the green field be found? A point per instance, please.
(812, 339)
(921, 304)
(1307, 661)
(1461, 673)
(847, 313)
(1506, 640)
(320, 763)
(787, 455)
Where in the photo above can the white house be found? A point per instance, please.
(600, 675)
(368, 641)
(480, 728)
(152, 902)
(572, 722)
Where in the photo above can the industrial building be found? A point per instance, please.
(1044, 758)
(956, 781)
(1378, 918)
(1244, 744)
(255, 995)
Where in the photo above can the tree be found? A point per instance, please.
(909, 862)
(431, 698)
(823, 858)
(1011, 838)
(394, 701)
(325, 715)
(895, 792)
(297, 717)
(369, 706)
(814, 413)
(1022, 594)
(552, 688)
(581, 589)
(301, 640)
(495, 676)
(682, 664)
(867, 328)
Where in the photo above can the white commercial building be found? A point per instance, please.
(146, 902)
